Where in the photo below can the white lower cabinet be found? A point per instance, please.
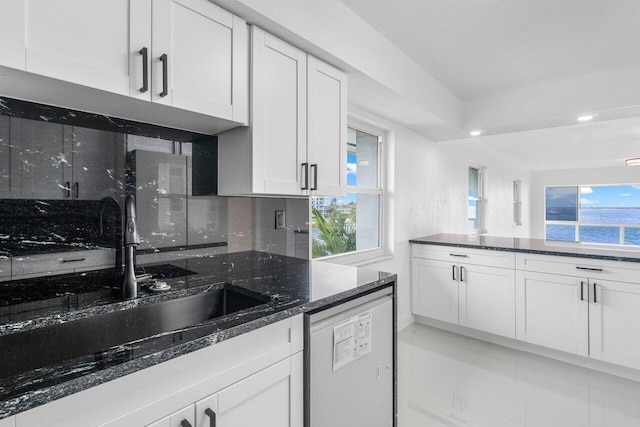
(588, 316)
(182, 418)
(475, 296)
(252, 379)
(269, 398)
(614, 316)
(550, 311)
(587, 307)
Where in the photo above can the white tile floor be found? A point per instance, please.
(450, 380)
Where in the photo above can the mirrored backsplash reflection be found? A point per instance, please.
(64, 176)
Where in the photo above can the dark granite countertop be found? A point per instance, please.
(33, 308)
(535, 246)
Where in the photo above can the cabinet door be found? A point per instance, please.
(182, 418)
(207, 411)
(86, 42)
(552, 311)
(278, 115)
(44, 159)
(205, 67)
(327, 122)
(263, 399)
(435, 289)
(487, 299)
(12, 52)
(94, 164)
(614, 316)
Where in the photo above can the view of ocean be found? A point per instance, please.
(627, 217)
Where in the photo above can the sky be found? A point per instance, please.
(610, 196)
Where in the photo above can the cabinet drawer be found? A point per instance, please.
(486, 257)
(61, 262)
(581, 267)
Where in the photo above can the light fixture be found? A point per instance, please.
(475, 133)
(634, 161)
(585, 118)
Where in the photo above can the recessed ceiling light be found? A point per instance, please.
(475, 133)
(634, 161)
(585, 118)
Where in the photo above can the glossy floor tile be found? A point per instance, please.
(450, 380)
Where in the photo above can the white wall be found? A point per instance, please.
(412, 187)
(427, 186)
(454, 158)
(586, 176)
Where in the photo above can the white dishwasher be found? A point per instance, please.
(349, 369)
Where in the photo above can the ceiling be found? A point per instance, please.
(537, 64)
(521, 71)
(482, 47)
(591, 145)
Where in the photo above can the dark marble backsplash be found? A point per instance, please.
(39, 226)
(64, 176)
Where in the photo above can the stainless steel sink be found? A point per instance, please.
(51, 345)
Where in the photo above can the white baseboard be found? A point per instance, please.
(405, 321)
(585, 362)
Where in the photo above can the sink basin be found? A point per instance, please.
(50, 345)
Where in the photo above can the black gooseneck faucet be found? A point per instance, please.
(131, 240)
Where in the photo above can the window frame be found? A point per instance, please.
(578, 222)
(383, 250)
(480, 199)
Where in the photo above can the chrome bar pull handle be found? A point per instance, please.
(460, 255)
(581, 291)
(595, 299)
(454, 272)
(462, 273)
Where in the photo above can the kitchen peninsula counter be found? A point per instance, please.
(533, 246)
(291, 286)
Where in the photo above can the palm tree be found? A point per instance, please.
(337, 234)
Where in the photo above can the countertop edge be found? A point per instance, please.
(49, 394)
(556, 252)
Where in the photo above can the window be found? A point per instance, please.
(474, 196)
(352, 223)
(607, 214)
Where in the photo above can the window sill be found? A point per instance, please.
(359, 259)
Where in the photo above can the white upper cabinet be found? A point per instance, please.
(327, 116)
(12, 53)
(197, 61)
(189, 54)
(85, 42)
(296, 144)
